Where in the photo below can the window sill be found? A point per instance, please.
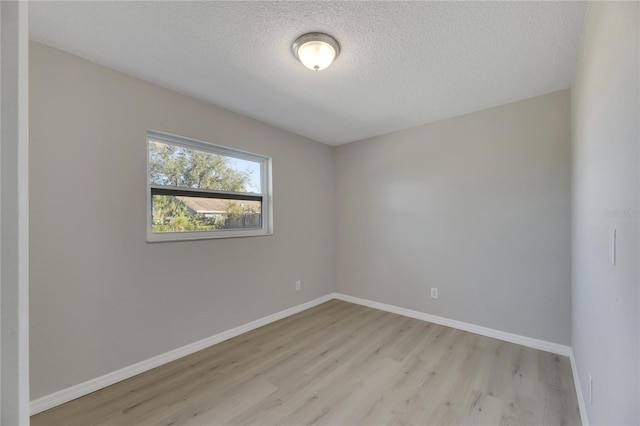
(170, 237)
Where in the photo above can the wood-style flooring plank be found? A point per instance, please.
(340, 364)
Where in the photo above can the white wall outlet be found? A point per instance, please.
(434, 292)
(590, 389)
(298, 285)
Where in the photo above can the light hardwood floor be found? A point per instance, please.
(341, 364)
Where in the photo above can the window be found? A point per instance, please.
(198, 190)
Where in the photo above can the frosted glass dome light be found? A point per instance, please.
(316, 51)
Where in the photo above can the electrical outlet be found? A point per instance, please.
(590, 389)
(298, 285)
(434, 292)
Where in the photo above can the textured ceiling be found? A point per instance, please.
(402, 63)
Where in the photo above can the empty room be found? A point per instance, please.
(319, 212)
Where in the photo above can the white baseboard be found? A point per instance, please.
(65, 395)
(477, 329)
(579, 394)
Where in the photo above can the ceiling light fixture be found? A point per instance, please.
(316, 51)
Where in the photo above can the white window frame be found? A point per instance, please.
(265, 196)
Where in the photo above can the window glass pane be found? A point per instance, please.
(187, 214)
(190, 168)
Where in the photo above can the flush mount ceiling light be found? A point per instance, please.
(316, 51)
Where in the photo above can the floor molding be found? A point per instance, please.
(530, 342)
(65, 395)
(576, 381)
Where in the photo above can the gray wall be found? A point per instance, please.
(101, 297)
(606, 134)
(478, 206)
(14, 213)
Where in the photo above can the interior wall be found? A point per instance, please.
(606, 186)
(14, 213)
(102, 298)
(477, 206)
